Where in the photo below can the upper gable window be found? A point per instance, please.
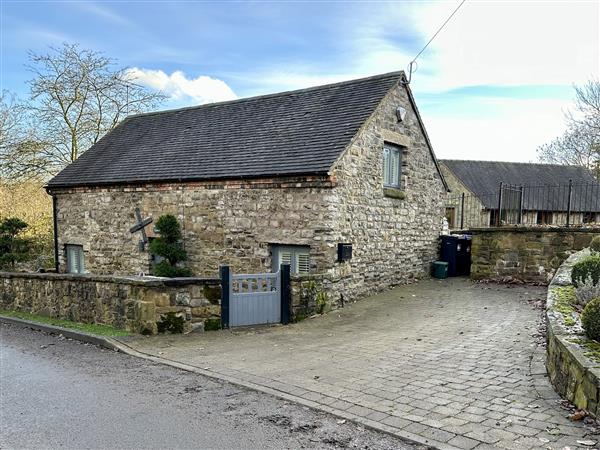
(392, 160)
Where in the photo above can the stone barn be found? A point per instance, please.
(340, 181)
(544, 201)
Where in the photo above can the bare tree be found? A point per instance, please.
(580, 144)
(10, 129)
(16, 138)
(77, 96)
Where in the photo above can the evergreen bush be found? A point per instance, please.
(587, 268)
(168, 246)
(14, 247)
(590, 319)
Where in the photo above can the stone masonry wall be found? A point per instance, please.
(527, 254)
(394, 233)
(475, 214)
(223, 223)
(572, 368)
(133, 304)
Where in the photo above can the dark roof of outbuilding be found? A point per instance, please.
(546, 185)
(290, 133)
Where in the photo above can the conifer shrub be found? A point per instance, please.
(590, 319)
(169, 247)
(14, 247)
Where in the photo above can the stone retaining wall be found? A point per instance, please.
(572, 372)
(131, 303)
(529, 254)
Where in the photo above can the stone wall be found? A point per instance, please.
(133, 304)
(571, 371)
(394, 233)
(475, 215)
(527, 254)
(223, 223)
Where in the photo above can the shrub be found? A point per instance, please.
(164, 269)
(14, 247)
(588, 267)
(595, 244)
(168, 246)
(590, 319)
(170, 322)
(212, 324)
(586, 291)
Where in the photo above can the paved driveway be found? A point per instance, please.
(446, 362)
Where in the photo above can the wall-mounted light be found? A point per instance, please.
(400, 113)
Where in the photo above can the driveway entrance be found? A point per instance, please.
(448, 362)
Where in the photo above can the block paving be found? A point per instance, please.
(449, 363)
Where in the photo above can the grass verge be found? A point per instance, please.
(100, 330)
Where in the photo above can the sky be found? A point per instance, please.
(495, 84)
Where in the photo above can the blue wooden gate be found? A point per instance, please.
(254, 299)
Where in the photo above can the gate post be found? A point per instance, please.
(462, 211)
(225, 290)
(521, 191)
(285, 295)
(499, 218)
(569, 201)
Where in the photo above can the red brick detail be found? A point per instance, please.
(327, 181)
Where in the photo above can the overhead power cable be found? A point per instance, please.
(412, 66)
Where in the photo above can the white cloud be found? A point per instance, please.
(183, 90)
(502, 129)
(509, 43)
(103, 12)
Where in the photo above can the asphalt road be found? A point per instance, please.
(59, 393)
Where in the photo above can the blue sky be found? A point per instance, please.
(493, 85)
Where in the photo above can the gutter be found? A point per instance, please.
(55, 226)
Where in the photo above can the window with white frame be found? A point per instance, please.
(75, 262)
(297, 256)
(392, 161)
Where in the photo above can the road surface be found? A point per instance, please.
(59, 393)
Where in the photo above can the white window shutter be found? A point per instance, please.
(285, 257)
(75, 263)
(386, 166)
(303, 262)
(80, 261)
(395, 165)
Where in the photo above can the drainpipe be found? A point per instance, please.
(55, 224)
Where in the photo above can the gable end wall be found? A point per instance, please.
(394, 239)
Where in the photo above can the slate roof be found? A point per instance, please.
(546, 185)
(291, 133)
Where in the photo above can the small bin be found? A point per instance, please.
(440, 269)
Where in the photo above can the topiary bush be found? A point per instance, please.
(587, 268)
(168, 246)
(590, 319)
(595, 244)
